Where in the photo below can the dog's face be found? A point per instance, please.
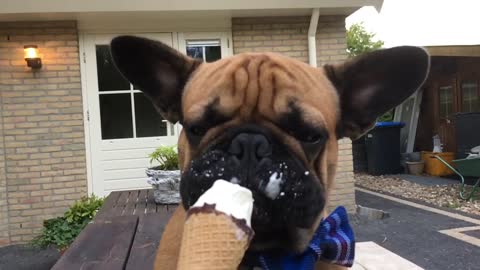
(269, 123)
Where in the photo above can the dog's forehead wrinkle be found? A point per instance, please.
(261, 85)
(253, 86)
(247, 74)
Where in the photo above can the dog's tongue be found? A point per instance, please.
(229, 198)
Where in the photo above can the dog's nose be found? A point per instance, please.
(250, 147)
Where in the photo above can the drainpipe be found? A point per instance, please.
(312, 43)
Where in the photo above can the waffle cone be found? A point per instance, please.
(213, 241)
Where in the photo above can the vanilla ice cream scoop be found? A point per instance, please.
(217, 230)
(231, 199)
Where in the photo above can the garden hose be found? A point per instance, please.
(462, 189)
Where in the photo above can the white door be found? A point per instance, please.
(123, 126)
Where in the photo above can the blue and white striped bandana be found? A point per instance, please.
(333, 242)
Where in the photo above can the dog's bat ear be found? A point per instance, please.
(155, 68)
(371, 84)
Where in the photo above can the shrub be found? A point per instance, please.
(85, 209)
(61, 231)
(166, 157)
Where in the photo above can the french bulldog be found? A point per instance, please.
(254, 116)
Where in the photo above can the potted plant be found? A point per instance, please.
(165, 177)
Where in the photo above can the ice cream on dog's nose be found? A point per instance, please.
(230, 199)
(217, 230)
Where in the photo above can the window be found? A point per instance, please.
(446, 101)
(207, 50)
(125, 112)
(470, 97)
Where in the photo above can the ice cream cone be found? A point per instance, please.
(214, 237)
(213, 240)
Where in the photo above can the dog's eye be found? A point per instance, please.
(197, 130)
(312, 138)
(308, 137)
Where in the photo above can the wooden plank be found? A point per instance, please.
(149, 232)
(101, 245)
(122, 200)
(108, 205)
(162, 208)
(131, 202)
(119, 207)
(151, 205)
(141, 204)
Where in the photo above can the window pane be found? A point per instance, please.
(116, 116)
(212, 53)
(195, 52)
(470, 98)
(446, 101)
(109, 78)
(148, 122)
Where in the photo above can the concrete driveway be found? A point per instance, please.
(428, 237)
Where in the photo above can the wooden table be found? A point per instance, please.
(124, 234)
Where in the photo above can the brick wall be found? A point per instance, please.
(4, 235)
(344, 192)
(331, 48)
(331, 40)
(43, 134)
(288, 35)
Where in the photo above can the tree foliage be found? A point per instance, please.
(360, 41)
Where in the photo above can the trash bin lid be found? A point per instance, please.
(390, 124)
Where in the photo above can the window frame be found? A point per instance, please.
(224, 38)
(461, 81)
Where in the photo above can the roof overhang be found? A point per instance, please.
(76, 6)
(464, 51)
(160, 15)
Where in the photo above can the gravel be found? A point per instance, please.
(438, 195)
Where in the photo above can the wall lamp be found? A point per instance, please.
(31, 56)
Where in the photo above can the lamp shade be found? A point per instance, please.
(32, 57)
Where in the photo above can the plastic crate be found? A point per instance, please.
(434, 166)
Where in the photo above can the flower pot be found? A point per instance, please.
(165, 184)
(415, 167)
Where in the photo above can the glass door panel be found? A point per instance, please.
(446, 101)
(447, 107)
(116, 116)
(470, 97)
(109, 78)
(124, 111)
(147, 120)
